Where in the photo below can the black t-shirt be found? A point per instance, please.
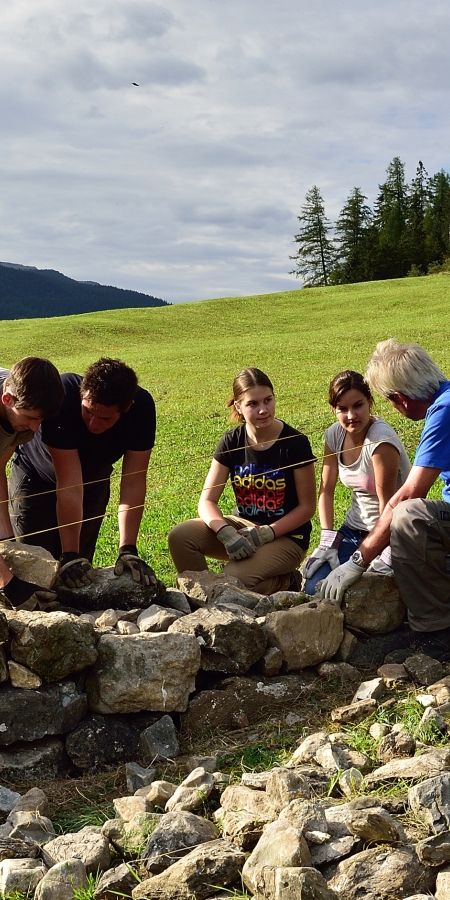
(135, 430)
(263, 480)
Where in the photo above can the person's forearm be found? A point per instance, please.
(326, 511)
(293, 520)
(69, 513)
(131, 507)
(211, 515)
(379, 537)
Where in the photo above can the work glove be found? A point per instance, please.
(142, 573)
(25, 594)
(382, 564)
(326, 552)
(237, 546)
(337, 582)
(258, 534)
(75, 571)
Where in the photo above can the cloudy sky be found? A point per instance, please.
(188, 186)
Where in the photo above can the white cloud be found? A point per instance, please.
(188, 186)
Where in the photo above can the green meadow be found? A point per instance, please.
(188, 355)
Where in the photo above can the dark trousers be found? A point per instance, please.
(33, 512)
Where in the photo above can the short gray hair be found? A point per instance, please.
(403, 368)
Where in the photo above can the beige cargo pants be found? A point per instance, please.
(420, 542)
(265, 572)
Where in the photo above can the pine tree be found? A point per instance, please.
(390, 219)
(314, 257)
(418, 200)
(355, 236)
(437, 218)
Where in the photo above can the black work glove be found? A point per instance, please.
(75, 571)
(25, 594)
(128, 558)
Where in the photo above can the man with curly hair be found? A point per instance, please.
(59, 487)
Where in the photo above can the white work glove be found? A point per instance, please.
(237, 546)
(258, 534)
(382, 564)
(337, 582)
(326, 552)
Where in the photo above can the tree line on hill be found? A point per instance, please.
(406, 233)
(29, 293)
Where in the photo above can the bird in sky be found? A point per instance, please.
(135, 84)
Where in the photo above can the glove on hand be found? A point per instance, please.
(326, 552)
(129, 559)
(237, 546)
(382, 565)
(258, 534)
(75, 571)
(25, 594)
(337, 582)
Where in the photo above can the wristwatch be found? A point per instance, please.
(359, 560)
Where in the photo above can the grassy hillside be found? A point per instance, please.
(188, 355)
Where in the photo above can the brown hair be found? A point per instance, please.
(246, 379)
(347, 381)
(35, 383)
(110, 382)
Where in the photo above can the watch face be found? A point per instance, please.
(358, 559)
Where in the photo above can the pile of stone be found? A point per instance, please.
(322, 827)
(82, 683)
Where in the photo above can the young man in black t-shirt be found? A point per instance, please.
(105, 417)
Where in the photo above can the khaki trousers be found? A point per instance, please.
(265, 572)
(420, 542)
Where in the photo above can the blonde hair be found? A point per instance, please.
(403, 368)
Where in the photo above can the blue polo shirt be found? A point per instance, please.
(433, 451)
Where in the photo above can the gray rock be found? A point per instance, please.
(431, 715)
(225, 593)
(441, 690)
(138, 777)
(271, 661)
(229, 643)
(375, 825)
(175, 599)
(255, 780)
(374, 605)
(31, 715)
(280, 845)
(61, 880)
(292, 883)
(4, 670)
(370, 690)
(381, 875)
(306, 635)
(435, 850)
(53, 644)
(109, 590)
(237, 798)
(44, 761)
(305, 815)
(430, 801)
(391, 673)
(157, 618)
(127, 808)
(8, 800)
(33, 800)
(16, 848)
(243, 829)
(243, 701)
(396, 745)
(158, 793)
(21, 677)
(159, 741)
(21, 875)
(4, 633)
(30, 826)
(351, 782)
(422, 669)
(214, 863)
(354, 712)
(128, 838)
(192, 792)
(87, 845)
(306, 752)
(428, 764)
(335, 849)
(30, 563)
(101, 740)
(117, 882)
(346, 647)
(208, 763)
(200, 586)
(176, 834)
(284, 785)
(442, 885)
(341, 670)
(143, 671)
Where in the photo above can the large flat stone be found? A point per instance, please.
(306, 635)
(31, 715)
(111, 591)
(143, 672)
(374, 604)
(30, 563)
(54, 644)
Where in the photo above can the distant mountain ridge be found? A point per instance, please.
(30, 293)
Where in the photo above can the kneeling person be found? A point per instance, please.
(60, 485)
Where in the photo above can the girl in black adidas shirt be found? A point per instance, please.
(272, 473)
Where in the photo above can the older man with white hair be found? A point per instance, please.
(417, 529)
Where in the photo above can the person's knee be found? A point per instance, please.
(406, 512)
